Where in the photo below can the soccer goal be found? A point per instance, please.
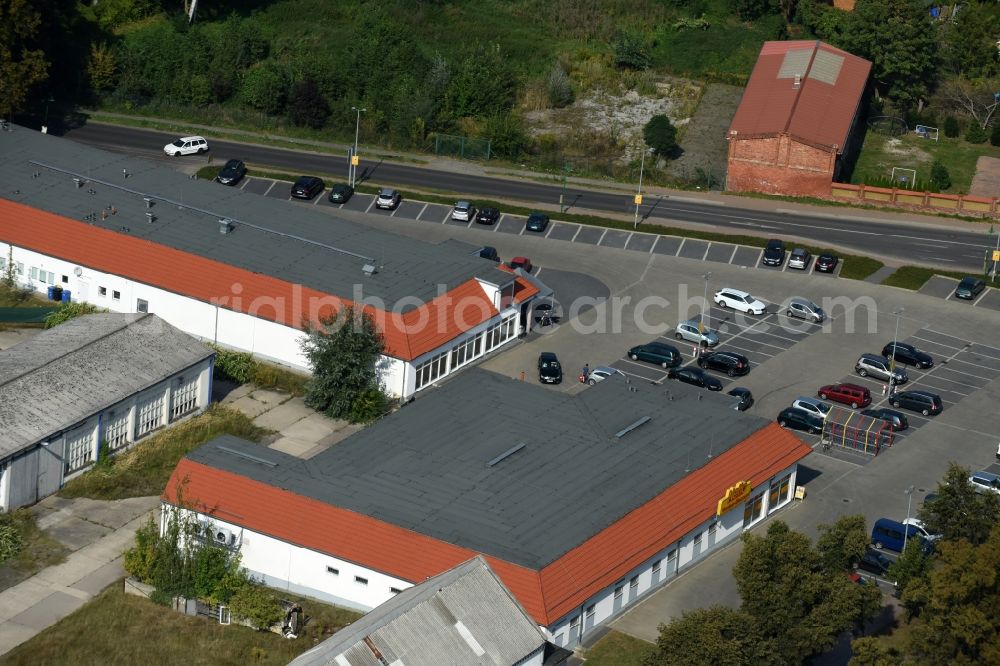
(926, 132)
(906, 178)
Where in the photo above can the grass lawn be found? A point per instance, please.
(22, 298)
(880, 153)
(115, 628)
(914, 277)
(144, 469)
(38, 550)
(618, 649)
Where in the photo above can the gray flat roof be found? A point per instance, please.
(417, 627)
(67, 374)
(285, 240)
(509, 468)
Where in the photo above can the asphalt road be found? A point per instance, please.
(912, 244)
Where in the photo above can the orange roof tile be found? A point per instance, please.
(547, 595)
(235, 288)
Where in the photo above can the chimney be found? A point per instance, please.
(798, 81)
(225, 226)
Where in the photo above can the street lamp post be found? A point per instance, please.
(354, 155)
(909, 499)
(995, 254)
(704, 304)
(892, 361)
(567, 168)
(638, 194)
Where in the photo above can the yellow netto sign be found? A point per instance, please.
(734, 495)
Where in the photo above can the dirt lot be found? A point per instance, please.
(704, 138)
(986, 182)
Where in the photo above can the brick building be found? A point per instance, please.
(800, 122)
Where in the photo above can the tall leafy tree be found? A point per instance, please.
(22, 64)
(719, 636)
(483, 82)
(842, 544)
(958, 511)
(344, 352)
(660, 135)
(898, 37)
(968, 45)
(306, 106)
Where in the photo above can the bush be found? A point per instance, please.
(235, 365)
(940, 176)
(257, 605)
(951, 128)
(11, 541)
(559, 90)
(369, 406)
(306, 106)
(660, 135)
(67, 311)
(976, 134)
(631, 51)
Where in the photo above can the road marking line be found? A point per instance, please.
(759, 257)
(578, 228)
(245, 183)
(678, 252)
(602, 236)
(736, 249)
(268, 190)
(627, 239)
(499, 222)
(985, 291)
(653, 246)
(707, 248)
(549, 230)
(370, 204)
(447, 216)
(421, 213)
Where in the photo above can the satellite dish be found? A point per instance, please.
(78, 271)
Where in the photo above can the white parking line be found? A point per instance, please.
(447, 216)
(370, 204)
(678, 252)
(745, 350)
(647, 366)
(951, 368)
(316, 200)
(268, 190)
(421, 213)
(812, 266)
(981, 297)
(935, 342)
(628, 238)
(759, 257)
(655, 241)
(245, 183)
(578, 227)
(394, 210)
(549, 230)
(736, 249)
(707, 248)
(499, 222)
(603, 234)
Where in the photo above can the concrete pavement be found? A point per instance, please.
(97, 533)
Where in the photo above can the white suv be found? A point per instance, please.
(739, 300)
(188, 145)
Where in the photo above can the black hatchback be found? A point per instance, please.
(969, 288)
(341, 192)
(695, 376)
(908, 354)
(728, 362)
(487, 216)
(232, 172)
(774, 253)
(800, 419)
(306, 187)
(897, 420)
(826, 262)
(549, 369)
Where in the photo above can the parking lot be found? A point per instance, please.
(939, 286)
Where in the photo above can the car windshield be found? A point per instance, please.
(386, 194)
(179, 143)
(967, 282)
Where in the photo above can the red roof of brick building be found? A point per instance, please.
(807, 89)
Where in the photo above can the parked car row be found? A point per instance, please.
(799, 259)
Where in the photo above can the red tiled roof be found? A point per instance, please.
(212, 281)
(547, 595)
(816, 111)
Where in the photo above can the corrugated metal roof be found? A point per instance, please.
(558, 520)
(808, 89)
(462, 616)
(69, 373)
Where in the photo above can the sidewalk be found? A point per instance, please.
(97, 533)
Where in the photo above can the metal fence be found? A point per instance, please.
(845, 429)
(464, 147)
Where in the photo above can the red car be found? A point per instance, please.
(846, 394)
(521, 262)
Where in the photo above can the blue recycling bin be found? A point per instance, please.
(65, 295)
(52, 293)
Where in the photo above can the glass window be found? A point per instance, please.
(395, 590)
(360, 581)
(116, 295)
(116, 429)
(141, 305)
(619, 590)
(103, 291)
(333, 570)
(590, 612)
(633, 585)
(149, 416)
(80, 450)
(430, 370)
(711, 530)
(33, 273)
(184, 397)
(697, 541)
(65, 279)
(656, 568)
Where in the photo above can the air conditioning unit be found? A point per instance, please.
(222, 536)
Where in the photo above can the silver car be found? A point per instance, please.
(813, 406)
(799, 259)
(601, 373)
(691, 331)
(881, 368)
(462, 211)
(805, 309)
(387, 198)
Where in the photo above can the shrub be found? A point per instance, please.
(257, 605)
(11, 541)
(67, 311)
(558, 87)
(235, 365)
(306, 106)
(951, 128)
(940, 176)
(660, 135)
(369, 406)
(976, 134)
(631, 51)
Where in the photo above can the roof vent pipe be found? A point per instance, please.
(149, 201)
(79, 182)
(150, 217)
(798, 81)
(225, 226)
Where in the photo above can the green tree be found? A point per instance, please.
(256, 604)
(101, 67)
(22, 64)
(344, 351)
(976, 133)
(843, 544)
(558, 87)
(506, 134)
(958, 511)
(951, 128)
(630, 50)
(940, 176)
(898, 37)
(870, 651)
(719, 636)
(264, 89)
(482, 83)
(67, 311)
(783, 565)
(750, 10)
(958, 605)
(660, 135)
(306, 106)
(912, 564)
(968, 42)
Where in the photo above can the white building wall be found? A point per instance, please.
(727, 527)
(265, 339)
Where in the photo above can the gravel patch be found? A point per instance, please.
(703, 140)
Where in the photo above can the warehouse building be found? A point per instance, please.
(244, 271)
(101, 378)
(582, 504)
(800, 123)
